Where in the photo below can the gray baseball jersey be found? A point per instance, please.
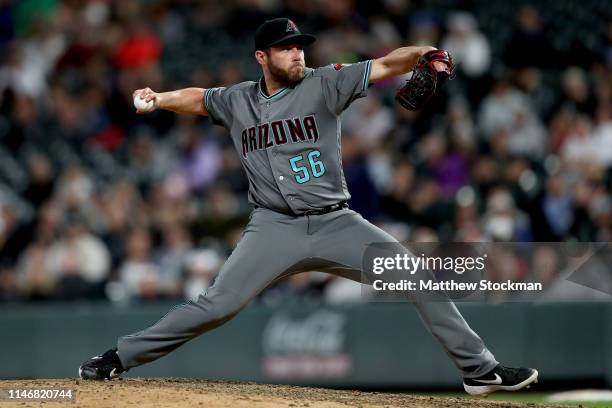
(289, 142)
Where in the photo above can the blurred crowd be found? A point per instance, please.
(97, 202)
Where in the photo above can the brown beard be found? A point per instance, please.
(286, 77)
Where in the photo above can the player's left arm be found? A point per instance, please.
(398, 62)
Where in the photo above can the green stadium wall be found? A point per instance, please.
(373, 345)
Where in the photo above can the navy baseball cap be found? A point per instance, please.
(280, 31)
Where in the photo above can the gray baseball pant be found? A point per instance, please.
(276, 245)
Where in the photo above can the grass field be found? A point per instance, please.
(530, 397)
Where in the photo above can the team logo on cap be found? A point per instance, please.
(291, 27)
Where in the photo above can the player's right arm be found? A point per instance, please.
(187, 100)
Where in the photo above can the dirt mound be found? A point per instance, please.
(183, 393)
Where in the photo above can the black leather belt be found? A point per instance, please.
(316, 211)
(328, 209)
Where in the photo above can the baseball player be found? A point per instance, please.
(286, 130)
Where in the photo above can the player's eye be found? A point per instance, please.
(291, 47)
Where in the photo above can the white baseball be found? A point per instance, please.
(143, 105)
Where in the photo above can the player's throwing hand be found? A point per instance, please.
(145, 100)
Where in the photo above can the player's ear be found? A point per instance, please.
(260, 57)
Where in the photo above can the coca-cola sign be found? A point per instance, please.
(303, 347)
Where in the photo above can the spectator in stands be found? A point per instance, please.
(527, 136)
(471, 52)
(503, 221)
(602, 134)
(79, 262)
(529, 45)
(530, 81)
(41, 184)
(449, 168)
(577, 96)
(199, 159)
(554, 215)
(201, 267)
(396, 203)
(36, 282)
(9, 285)
(580, 147)
(172, 257)
(370, 122)
(500, 108)
(139, 275)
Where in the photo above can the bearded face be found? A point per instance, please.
(286, 63)
(287, 75)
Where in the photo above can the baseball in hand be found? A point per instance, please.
(142, 105)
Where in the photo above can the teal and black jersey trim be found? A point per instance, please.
(206, 96)
(210, 108)
(276, 94)
(366, 74)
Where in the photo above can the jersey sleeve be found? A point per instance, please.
(342, 84)
(216, 102)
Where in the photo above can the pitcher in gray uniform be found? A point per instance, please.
(286, 130)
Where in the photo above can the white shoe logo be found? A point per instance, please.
(497, 380)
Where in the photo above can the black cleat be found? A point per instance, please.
(501, 379)
(104, 367)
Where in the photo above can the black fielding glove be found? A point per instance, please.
(426, 80)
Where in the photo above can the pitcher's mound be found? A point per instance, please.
(189, 393)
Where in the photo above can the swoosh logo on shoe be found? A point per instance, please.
(497, 380)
